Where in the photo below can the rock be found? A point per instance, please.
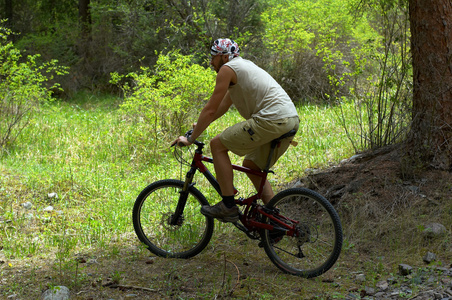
(298, 184)
(27, 205)
(405, 270)
(52, 195)
(48, 208)
(369, 291)
(56, 293)
(360, 278)
(429, 257)
(382, 285)
(434, 230)
(414, 189)
(356, 157)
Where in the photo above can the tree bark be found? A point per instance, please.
(85, 26)
(430, 138)
(9, 15)
(84, 17)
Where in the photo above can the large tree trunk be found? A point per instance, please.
(430, 140)
(85, 26)
(9, 16)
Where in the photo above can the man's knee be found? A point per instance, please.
(216, 145)
(250, 164)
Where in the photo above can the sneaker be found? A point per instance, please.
(221, 212)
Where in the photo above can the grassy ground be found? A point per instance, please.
(89, 154)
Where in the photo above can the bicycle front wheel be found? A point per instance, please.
(317, 240)
(153, 215)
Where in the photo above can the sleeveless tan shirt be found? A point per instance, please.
(257, 94)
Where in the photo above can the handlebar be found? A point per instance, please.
(187, 135)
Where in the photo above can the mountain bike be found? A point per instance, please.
(298, 228)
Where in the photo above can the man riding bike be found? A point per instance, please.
(268, 111)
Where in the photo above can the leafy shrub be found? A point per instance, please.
(22, 88)
(166, 98)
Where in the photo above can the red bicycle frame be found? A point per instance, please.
(253, 212)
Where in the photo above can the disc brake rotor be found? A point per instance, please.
(167, 220)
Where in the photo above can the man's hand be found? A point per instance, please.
(181, 141)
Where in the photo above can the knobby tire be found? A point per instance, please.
(152, 213)
(318, 243)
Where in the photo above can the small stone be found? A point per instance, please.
(369, 291)
(360, 278)
(27, 205)
(56, 293)
(414, 189)
(434, 230)
(405, 270)
(48, 208)
(298, 184)
(52, 195)
(429, 257)
(382, 285)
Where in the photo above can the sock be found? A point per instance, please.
(229, 201)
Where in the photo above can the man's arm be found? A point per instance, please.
(224, 106)
(219, 102)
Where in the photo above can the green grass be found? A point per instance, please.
(97, 162)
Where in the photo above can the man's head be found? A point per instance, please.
(222, 51)
(225, 47)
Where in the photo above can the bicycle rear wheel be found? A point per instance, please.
(152, 215)
(317, 242)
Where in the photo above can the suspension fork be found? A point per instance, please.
(183, 196)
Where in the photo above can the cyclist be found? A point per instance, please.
(269, 113)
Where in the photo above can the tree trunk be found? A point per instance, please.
(9, 16)
(85, 27)
(430, 139)
(84, 16)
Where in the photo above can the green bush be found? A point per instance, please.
(165, 100)
(22, 88)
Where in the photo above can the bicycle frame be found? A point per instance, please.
(252, 211)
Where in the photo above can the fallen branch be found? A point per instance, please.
(131, 287)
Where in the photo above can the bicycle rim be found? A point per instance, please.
(318, 240)
(152, 215)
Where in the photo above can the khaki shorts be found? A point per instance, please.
(252, 138)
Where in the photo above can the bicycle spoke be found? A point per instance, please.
(316, 243)
(154, 223)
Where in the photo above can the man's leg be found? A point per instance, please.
(267, 193)
(223, 166)
(225, 210)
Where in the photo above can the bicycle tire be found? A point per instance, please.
(153, 209)
(318, 243)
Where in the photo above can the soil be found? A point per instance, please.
(383, 206)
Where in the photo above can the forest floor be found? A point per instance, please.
(384, 209)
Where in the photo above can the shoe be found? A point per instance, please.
(221, 212)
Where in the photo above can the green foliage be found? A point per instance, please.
(381, 88)
(22, 88)
(166, 99)
(314, 45)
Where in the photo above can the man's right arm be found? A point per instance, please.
(224, 106)
(219, 102)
